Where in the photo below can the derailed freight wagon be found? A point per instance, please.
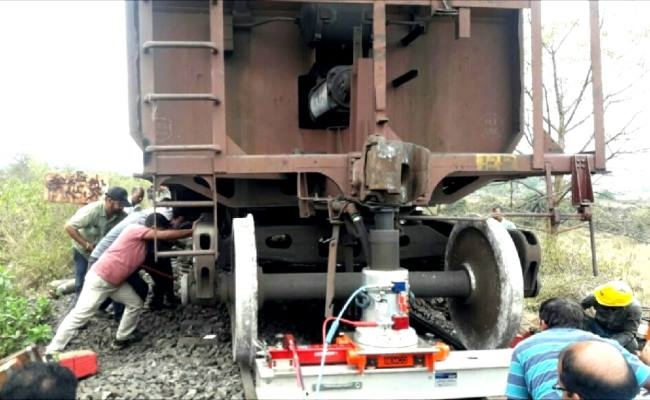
(330, 122)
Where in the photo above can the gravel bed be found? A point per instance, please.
(174, 360)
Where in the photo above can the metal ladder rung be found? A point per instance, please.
(159, 44)
(189, 203)
(176, 253)
(182, 147)
(153, 97)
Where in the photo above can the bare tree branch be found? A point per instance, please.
(577, 124)
(558, 100)
(527, 186)
(548, 110)
(576, 103)
(566, 35)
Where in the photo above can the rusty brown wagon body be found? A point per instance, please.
(311, 114)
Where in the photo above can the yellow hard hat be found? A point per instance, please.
(614, 294)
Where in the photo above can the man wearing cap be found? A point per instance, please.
(89, 224)
(618, 313)
(107, 278)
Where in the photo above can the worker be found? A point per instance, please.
(617, 316)
(498, 215)
(137, 195)
(595, 370)
(533, 370)
(137, 283)
(89, 224)
(106, 278)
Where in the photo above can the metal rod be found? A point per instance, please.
(592, 240)
(331, 270)
(308, 286)
(536, 68)
(402, 79)
(597, 86)
(151, 44)
(413, 34)
(176, 253)
(188, 203)
(217, 75)
(379, 61)
(183, 147)
(508, 214)
(152, 97)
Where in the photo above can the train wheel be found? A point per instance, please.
(530, 257)
(489, 318)
(243, 311)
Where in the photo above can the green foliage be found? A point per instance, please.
(21, 317)
(33, 244)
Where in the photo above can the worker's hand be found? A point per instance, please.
(644, 354)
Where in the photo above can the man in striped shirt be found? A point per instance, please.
(595, 370)
(533, 371)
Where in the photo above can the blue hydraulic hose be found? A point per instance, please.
(331, 332)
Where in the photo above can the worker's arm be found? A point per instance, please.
(589, 301)
(76, 236)
(631, 324)
(644, 354)
(82, 218)
(167, 234)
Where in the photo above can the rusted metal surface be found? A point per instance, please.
(536, 71)
(379, 61)
(464, 105)
(395, 172)
(464, 26)
(74, 187)
(597, 86)
(581, 190)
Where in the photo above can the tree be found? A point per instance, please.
(568, 114)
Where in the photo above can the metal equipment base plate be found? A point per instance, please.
(473, 373)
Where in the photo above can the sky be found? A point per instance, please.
(63, 87)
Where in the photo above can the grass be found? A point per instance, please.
(567, 272)
(33, 244)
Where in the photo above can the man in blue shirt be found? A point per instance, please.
(533, 371)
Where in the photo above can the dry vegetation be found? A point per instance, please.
(566, 265)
